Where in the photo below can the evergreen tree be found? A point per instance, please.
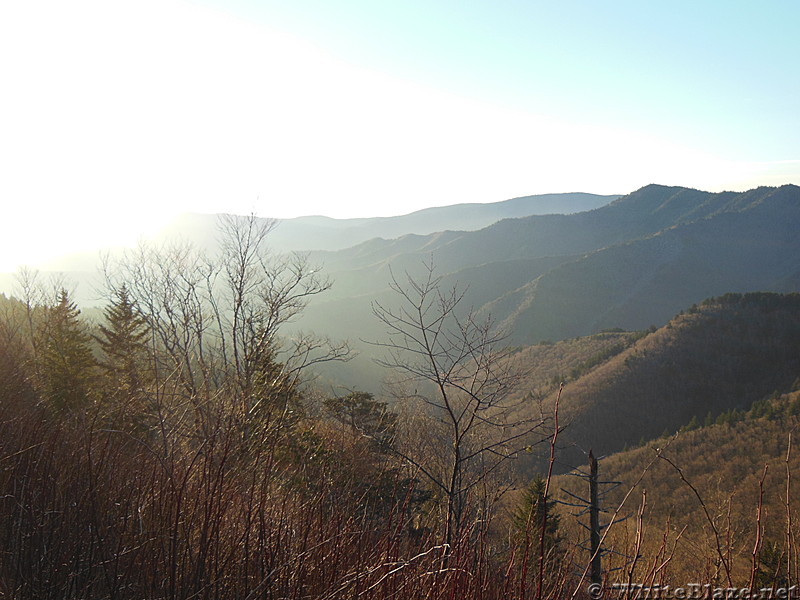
(124, 344)
(124, 340)
(693, 424)
(15, 353)
(771, 566)
(67, 368)
(534, 510)
(535, 532)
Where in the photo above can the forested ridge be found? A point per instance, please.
(723, 354)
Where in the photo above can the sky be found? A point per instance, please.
(118, 115)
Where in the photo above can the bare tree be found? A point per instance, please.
(263, 292)
(217, 319)
(457, 366)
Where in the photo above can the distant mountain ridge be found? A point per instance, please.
(643, 213)
(326, 233)
(630, 264)
(728, 243)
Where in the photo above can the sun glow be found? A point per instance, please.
(124, 115)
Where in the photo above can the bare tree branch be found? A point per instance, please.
(457, 366)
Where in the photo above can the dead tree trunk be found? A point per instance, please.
(594, 521)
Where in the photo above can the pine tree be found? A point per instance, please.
(67, 367)
(533, 510)
(124, 343)
(771, 567)
(15, 353)
(693, 424)
(535, 529)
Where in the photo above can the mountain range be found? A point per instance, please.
(624, 262)
(324, 233)
(630, 264)
(669, 319)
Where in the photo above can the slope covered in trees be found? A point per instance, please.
(747, 244)
(724, 354)
(737, 476)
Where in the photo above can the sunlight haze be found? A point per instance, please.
(116, 117)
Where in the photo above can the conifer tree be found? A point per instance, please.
(535, 529)
(15, 380)
(124, 343)
(533, 510)
(67, 367)
(693, 424)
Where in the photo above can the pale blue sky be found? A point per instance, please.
(116, 115)
(723, 75)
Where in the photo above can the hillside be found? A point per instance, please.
(623, 388)
(715, 392)
(725, 463)
(724, 354)
(751, 245)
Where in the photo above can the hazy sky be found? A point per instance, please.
(116, 115)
